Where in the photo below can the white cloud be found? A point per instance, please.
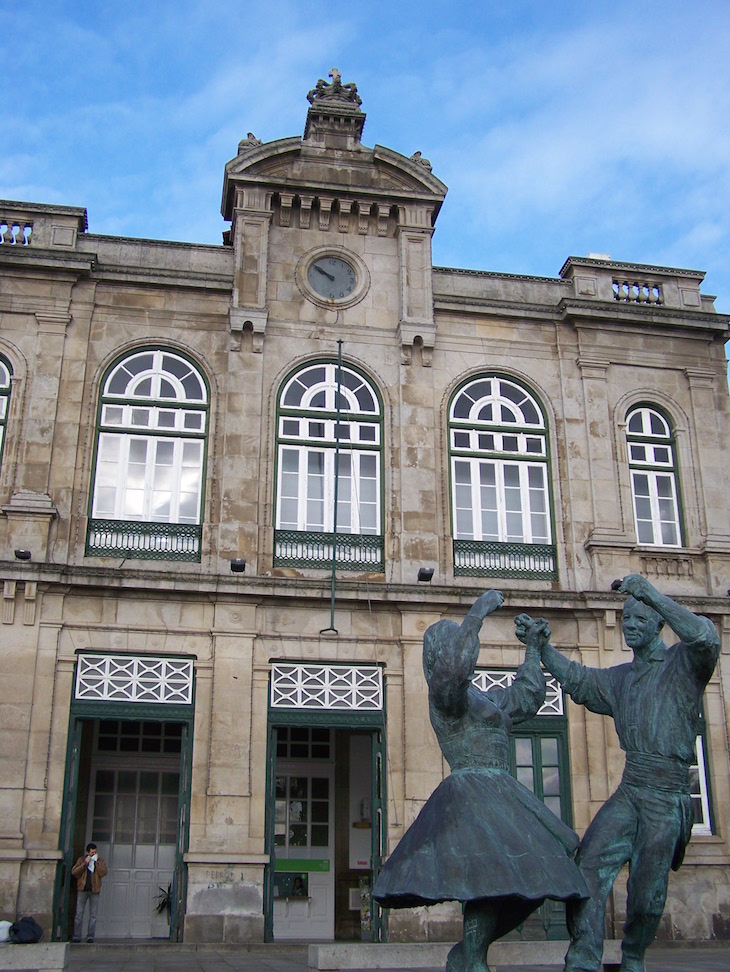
(561, 127)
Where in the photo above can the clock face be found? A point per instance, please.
(332, 277)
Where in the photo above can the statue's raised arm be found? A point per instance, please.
(695, 631)
(450, 653)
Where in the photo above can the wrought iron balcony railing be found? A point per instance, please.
(298, 548)
(145, 541)
(487, 558)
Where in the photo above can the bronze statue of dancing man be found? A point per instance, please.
(655, 703)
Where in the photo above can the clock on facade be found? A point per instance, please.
(332, 277)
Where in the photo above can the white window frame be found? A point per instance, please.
(526, 512)
(650, 450)
(701, 798)
(306, 495)
(5, 381)
(307, 426)
(513, 435)
(155, 406)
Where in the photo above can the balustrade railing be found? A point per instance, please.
(144, 541)
(296, 548)
(15, 233)
(637, 291)
(486, 558)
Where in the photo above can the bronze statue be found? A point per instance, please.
(655, 703)
(482, 838)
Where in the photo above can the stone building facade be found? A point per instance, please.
(238, 482)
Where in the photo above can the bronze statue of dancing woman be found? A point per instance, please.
(482, 838)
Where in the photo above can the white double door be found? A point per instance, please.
(133, 807)
(304, 878)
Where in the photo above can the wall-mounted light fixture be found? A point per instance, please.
(425, 574)
(22, 554)
(238, 565)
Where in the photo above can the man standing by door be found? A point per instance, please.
(88, 870)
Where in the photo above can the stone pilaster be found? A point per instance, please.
(416, 288)
(607, 532)
(710, 468)
(250, 235)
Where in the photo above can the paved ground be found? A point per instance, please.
(164, 957)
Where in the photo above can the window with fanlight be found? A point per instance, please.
(150, 453)
(653, 474)
(500, 481)
(5, 376)
(329, 469)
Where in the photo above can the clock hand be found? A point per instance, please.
(323, 272)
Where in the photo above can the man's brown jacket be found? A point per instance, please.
(79, 872)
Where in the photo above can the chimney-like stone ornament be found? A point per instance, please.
(334, 119)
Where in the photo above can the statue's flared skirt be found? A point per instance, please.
(481, 834)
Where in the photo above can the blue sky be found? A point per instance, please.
(560, 127)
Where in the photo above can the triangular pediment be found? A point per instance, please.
(331, 161)
(292, 165)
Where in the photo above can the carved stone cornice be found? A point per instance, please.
(593, 366)
(617, 265)
(605, 540)
(617, 313)
(700, 377)
(49, 323)
(26, 503)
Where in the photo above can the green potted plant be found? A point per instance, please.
(163, 902)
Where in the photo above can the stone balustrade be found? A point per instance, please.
(637, 291)
(42, 226)
(14, 233)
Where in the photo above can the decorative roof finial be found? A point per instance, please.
(335, 92)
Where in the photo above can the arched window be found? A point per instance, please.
(150, 452)
(653, 477)
(329, 446)
(5, 374)
(500, 490)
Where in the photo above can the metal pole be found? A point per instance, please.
(332, 627)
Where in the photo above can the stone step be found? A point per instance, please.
(432, 955)
(39, 957)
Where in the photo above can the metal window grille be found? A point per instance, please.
(128, 678)
(482, 558)
(307, 549)
(486, 679)
(144, 541)
(297, 686)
